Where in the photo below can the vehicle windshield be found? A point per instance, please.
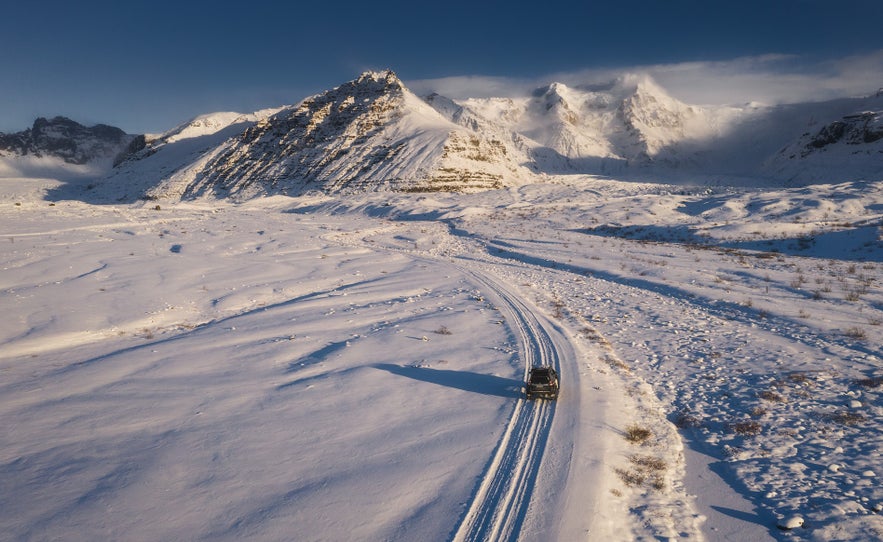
(540, 377)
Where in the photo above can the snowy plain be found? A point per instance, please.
(350, 368)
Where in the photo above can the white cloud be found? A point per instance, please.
(772, 78)
(473, 86)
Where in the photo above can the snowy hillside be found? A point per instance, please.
(631, 127)
(371, 133)
(851, 145)
(351, 367)
(172, 153)
(630, 120)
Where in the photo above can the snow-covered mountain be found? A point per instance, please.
(368, 134)
(373, 133)
(62, 147)
(166, 154)
(851, 145)
(600, 128)
(64, 138)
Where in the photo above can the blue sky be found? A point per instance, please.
(148, 65)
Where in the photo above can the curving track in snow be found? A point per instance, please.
(499, 506)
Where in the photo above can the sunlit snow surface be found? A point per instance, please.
(319, 369)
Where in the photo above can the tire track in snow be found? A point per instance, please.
(499, 506)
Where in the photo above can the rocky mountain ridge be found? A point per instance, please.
(368, 134)
(66, 139)
(373, 133)
(851, 145)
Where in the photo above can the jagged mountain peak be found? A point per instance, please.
(373, 133)
(200, 125)
(385, 77)
(552, 90)
(371, 83)
(624, 86)
(366, 134)
(61, 137)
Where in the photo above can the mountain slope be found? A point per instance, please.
(595, 128)
(173, 151)
(633, 127)
(850, 147)
(367, 134)
(373, 134)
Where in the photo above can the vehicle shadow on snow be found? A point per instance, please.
(462, 380)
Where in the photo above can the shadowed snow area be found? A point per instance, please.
(350, 369)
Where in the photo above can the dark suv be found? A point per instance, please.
(542, 382)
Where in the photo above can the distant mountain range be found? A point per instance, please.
(375, 134)
(60, 137)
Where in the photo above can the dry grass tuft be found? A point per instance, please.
(637, 434)
(747, 428)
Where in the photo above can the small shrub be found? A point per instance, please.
(631, 478)
(617, 364)
(801, 378)
(747, 428)
(559, 309)
(856, 333)
(686, 420)
(637, 434)
(845, 417)
(648, 462)
(657, 483)
(872, 382)
(758, 411)
(769, 395)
